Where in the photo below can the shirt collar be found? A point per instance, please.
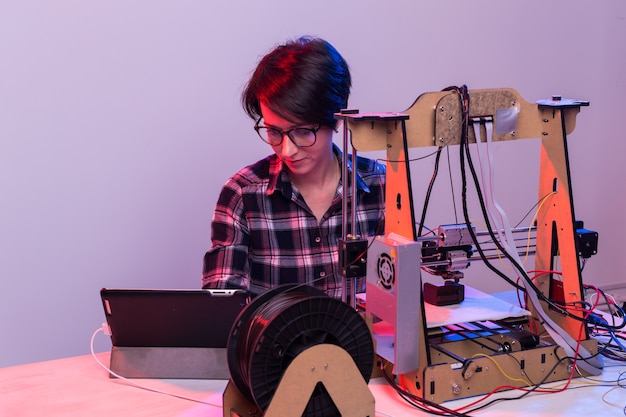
(279, 179)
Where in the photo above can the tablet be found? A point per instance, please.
(156, 326)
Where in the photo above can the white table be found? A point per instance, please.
(78, 386)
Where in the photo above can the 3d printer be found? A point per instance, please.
(451, 360)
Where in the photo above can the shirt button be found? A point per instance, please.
(322, 274)
(318, 239)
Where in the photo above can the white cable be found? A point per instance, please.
(135, 384)
(486, 173)
(612, 404)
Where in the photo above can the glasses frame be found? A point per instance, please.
(314, 130)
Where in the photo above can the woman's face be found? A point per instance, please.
(300, 160)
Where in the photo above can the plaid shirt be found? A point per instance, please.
(264, 234)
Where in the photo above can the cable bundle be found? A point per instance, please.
(281, 323)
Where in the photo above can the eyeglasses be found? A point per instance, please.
(300, 136)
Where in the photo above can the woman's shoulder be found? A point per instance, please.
(256, 173)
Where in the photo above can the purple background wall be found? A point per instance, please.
(120, 120)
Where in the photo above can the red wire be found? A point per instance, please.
(574, 360)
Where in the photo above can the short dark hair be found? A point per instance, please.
(304, 80)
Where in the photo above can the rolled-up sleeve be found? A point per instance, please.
(226, 262)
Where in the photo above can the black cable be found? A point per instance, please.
(532, 209)
(526, 392)
(421, 402)
(465, 151)
(429, 191)
(537, 386)
(611, 305)
(456, 219)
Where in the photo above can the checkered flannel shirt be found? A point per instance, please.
(263, 233)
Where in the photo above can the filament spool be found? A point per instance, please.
(279, 324)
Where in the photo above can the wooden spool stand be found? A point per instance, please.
(329, 364)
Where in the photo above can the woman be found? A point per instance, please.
(278, 221)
